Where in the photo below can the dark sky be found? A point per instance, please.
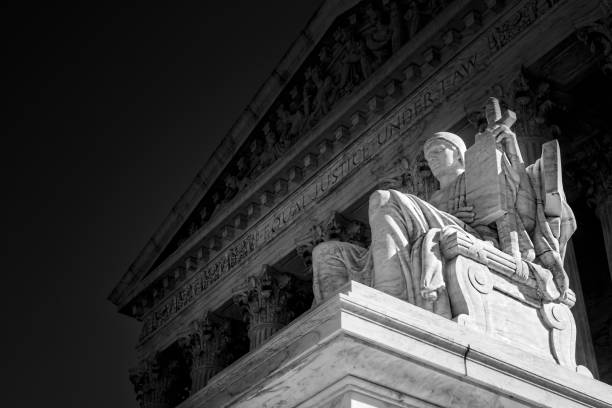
(111, 112)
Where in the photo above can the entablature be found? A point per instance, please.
(201, 283)
(218, 251)
(424, 48)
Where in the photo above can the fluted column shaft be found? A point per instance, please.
(585, 352)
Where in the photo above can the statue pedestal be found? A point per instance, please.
(364, 348)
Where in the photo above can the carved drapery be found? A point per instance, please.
(269, 301)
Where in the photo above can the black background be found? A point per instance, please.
(111, 112)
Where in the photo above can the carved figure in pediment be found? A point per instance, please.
(231, 187)
(281, 124)
(320, 92)
(404, 259)
(242, 172)
(284, 128)
(272, 150)
(296, 115)
(255, 165)
(204, 214)
(351, 52)
(396, 24)
(216, 202)
(378, 36)
(413, 18)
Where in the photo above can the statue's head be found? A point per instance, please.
(445, 154)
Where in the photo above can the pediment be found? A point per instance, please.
(350, 53)
(341, 47)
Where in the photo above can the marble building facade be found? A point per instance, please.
(227, 277)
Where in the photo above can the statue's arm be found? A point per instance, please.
(507, 139)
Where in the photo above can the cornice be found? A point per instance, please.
(339, 118)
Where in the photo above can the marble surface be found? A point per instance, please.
(365, 348)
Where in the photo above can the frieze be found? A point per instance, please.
(403, 118)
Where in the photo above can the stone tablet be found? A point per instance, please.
(484, 181)
(553, 184)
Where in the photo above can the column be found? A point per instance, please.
(585, 352)
(269, 302)
(151, 384)
(213, 345)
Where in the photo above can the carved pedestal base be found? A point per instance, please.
(489, 292)
(364, 348)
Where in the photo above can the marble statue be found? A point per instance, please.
(404, 258)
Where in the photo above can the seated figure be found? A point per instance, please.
(404, 259)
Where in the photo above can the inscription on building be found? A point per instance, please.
(434, 92)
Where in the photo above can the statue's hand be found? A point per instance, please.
(506, 138)
(465, 214)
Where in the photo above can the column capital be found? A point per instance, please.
(269, 300)
(214, 342)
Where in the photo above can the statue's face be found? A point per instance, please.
(442, 158)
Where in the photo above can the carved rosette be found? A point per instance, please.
(269, 302)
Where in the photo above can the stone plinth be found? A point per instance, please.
(363, 348)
